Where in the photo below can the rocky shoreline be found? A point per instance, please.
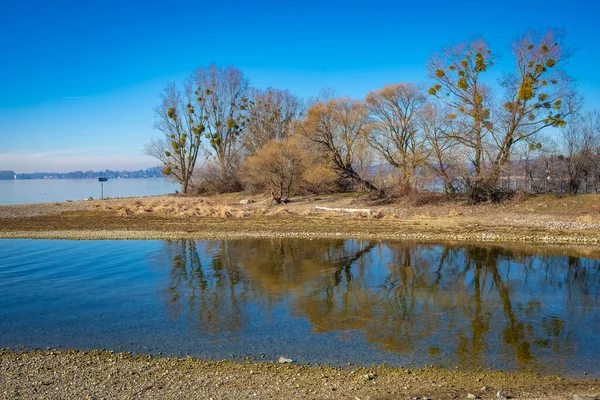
(103, 374)
(489, 237)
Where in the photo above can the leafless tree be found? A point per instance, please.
(222, 96)
(446, 158)
(336, 127)
(394, 129)
(539, 94)
(182, 126)
(271, 115)
(593, 126)
(580, 140)
(457, 71)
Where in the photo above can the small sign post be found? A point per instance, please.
(102, 179)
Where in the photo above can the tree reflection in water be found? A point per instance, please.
(469, 305)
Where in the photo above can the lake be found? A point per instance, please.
(23, 191)
(315, 301)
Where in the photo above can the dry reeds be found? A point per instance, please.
(180, 208)
(281, 211)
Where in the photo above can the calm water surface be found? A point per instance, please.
(24, 191)
(325, 301)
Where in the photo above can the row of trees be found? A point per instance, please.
(459, 130)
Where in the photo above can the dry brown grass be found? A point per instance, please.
(281, 211)
(454, 213)
(422, 217)
(179, 207)
(585, 218)
(417, 207)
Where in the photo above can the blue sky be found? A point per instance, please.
(80, 79)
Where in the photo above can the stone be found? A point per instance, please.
(369, 376)
(484, 388)
(500, 395)
(283, 360)
(472, 396)
(246, 201)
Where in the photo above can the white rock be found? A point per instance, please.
(283, 360)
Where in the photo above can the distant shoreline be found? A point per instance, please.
(81, 178)
(152, 172)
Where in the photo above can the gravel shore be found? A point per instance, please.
(104, 375)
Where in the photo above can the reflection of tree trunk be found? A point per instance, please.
(478, 326)
(403, 291)
(345, 266)
(513, 333)
(438, 272)
(209, 306)
(185, 250)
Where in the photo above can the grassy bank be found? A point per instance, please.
(536, 219)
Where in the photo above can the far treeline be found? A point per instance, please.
(458, 134)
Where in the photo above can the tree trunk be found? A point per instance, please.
(350, 173)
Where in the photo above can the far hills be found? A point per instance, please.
(154, 172)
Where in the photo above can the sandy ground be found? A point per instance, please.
(64, 374)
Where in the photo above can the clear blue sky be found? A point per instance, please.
(80, 78)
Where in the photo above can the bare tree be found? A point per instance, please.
(394, 130)
(336, 127)
(593, 127)
(538, 95)
(457, 72)
(222, 96)
(182, 126)
(271, 114)
(581, 140)
(446, 159)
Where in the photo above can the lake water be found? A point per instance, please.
(23, 191)
(325, 301)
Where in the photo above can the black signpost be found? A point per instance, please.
(102, 179)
